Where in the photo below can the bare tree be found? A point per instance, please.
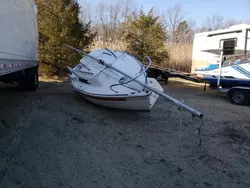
(115, 14)
(111, 17)
(214, 22)
(102, 19)
(184, 33)
(173, 16)
(231, 22)
(86, 14)
(201, 29)
(191, 23)
(127, 8)
(217, 22)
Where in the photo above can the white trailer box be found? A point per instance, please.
(18, 41)
(207, 46)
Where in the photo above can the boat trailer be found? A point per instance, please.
(157, 71)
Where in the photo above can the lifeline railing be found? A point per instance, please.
(142, 71)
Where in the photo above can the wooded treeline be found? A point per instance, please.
(164, 36)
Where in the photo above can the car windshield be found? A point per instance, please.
(234, 60)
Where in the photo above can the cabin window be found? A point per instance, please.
(84, 81)
(228, 46)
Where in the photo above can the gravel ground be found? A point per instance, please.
(54, 138)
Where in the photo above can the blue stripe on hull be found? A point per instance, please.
(224, 82)
(246, 70)
(241, 70)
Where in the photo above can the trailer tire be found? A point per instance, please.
(29, 80)
(239, 97)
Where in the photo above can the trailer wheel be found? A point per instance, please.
(239, 97)
(30, 80)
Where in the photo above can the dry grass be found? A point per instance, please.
(118, 45)
(180, 54)
(180, 57)
(44, 78)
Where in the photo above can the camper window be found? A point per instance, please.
(228, 46)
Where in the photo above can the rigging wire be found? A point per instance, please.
(199, 130)
(180, 124)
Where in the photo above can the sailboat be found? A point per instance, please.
(104, 86)
(117, 79)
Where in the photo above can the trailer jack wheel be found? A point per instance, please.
(239, 96)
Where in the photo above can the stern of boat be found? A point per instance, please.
(156, 85)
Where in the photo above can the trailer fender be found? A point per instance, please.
(236, 88)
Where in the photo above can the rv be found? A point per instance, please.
(19, 43)
(222, 59)
(207, 46)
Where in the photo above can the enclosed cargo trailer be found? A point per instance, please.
(19, 43)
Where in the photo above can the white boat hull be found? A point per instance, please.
(136, 103)
(140, 103)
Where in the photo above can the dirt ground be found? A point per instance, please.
(54, 138)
